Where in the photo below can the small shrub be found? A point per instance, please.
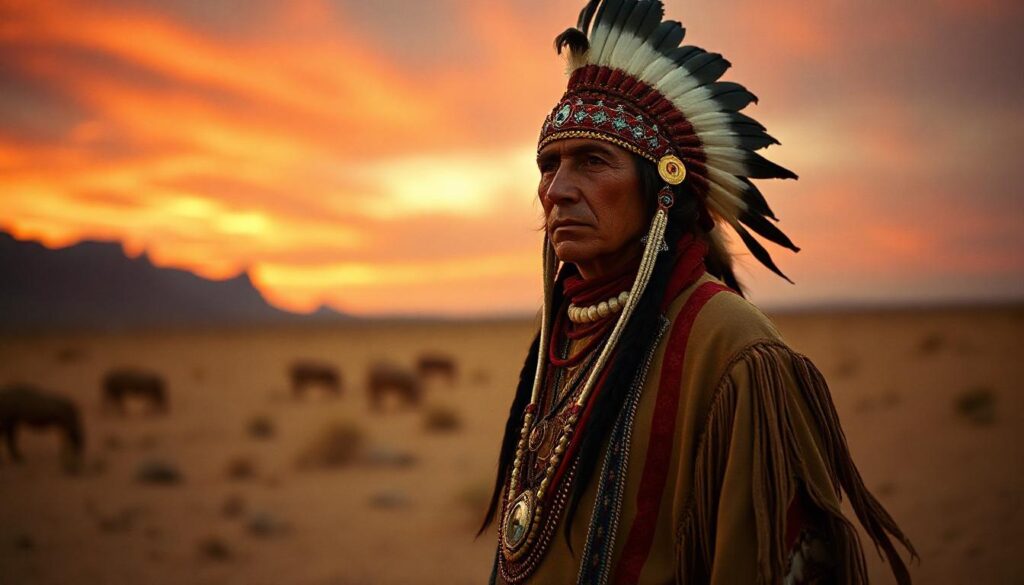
(977, 405)
(442, 419)
(261, 427)
(266, 525)
(158, 472)
(240, 468)
(336, 445)
(214, 548)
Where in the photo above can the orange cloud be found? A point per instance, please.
(319, 153)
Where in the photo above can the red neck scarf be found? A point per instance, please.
(688, 262)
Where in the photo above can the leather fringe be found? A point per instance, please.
(779, 469)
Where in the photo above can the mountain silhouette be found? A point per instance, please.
(95, 285)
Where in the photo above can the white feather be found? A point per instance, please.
(728, 181)
(597, 41)
(726, 153)
(719, 138)
(658, 68)
(608, 52)
(726, 166)
(711, 122)
(726, 200)
(696, 101)
(574, 61)
(677, 83)
(722, 210)
(625, 50)
(642, 57)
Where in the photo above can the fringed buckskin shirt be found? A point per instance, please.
(727, 467)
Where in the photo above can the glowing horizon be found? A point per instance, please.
(375, 164)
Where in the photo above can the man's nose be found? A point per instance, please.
(563, 188)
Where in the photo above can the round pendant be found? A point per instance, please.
(671, 169)
(517, 520)
(540, 430)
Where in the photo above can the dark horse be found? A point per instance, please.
(119, 385)
(23, 404)
(385, 378)
(305, 373)
(436, 364)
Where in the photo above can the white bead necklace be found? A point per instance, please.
(598, 311)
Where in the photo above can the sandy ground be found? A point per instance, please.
(406, 509)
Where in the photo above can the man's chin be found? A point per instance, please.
(572, 252)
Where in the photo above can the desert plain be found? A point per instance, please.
(930, 399)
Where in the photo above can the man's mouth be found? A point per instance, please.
(566, 223)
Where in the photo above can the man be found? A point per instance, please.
(662, 432)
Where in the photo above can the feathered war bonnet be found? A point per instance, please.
(633, 85)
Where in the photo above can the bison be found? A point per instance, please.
(436, 364)
(386, 378)
(305, 373)
(122, 384)
(24, 404)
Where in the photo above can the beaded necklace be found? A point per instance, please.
(523, 534)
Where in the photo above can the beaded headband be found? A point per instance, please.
(632, 85)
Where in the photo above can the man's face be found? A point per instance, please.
(593, 210)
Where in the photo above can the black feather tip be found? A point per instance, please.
(758, 251)
(573, 38)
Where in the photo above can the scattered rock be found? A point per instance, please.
(336, 445)
(389, 499)
(266, 525)
(240, 468)
(24, 542)
(261, 427)
(931, 343)
(233, 506)
(386, 457)
(442, 419)
(158, 472)
(977, 405)
(214, 548)
(973, 551)
(122, 520)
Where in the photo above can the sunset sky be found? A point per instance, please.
(378, 156)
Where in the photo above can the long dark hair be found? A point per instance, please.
(636, 341)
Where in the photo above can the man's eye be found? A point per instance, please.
(547, 167)
(593, 161)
